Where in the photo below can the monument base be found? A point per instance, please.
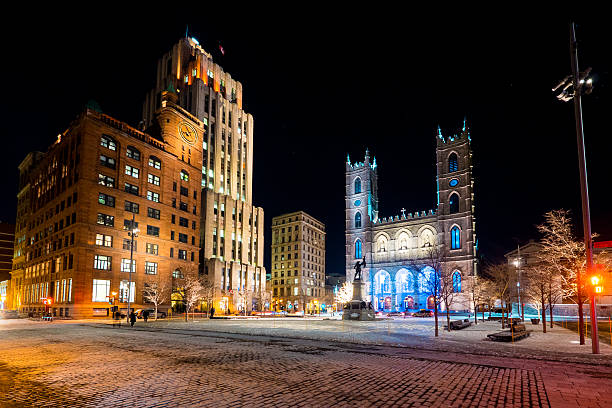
(358, 309)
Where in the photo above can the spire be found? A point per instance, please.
(440, 134)
(348, 159)
(374, 164)
(464, 120)
(187, 31)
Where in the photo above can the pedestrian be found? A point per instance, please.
(145, 315)
(132, 318)
(212, 312)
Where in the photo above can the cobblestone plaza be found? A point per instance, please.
(201, 364)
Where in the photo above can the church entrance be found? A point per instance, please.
(430, 303)
(388, 303)
(408, 303)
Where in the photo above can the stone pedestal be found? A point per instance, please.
(357, 309)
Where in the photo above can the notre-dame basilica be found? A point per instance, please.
(397, 248)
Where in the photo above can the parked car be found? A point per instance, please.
(160, 314)
(423, 313)
(395, 314)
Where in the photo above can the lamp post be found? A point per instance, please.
(132, 233)
(572, 87)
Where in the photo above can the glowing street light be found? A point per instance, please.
(132, 233)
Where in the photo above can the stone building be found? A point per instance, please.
(298, 263)
(231, 237)
(397, 248)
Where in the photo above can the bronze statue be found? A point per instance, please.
(358, 267)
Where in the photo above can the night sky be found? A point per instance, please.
(324, 85)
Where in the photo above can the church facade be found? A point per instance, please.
(399, 250)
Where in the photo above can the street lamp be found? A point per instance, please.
(572, 87)
(517, 264)
(132, 233)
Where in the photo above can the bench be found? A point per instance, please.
(460, 324)
(516, 332)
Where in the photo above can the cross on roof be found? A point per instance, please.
(403, 210)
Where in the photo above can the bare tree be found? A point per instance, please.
(538, 277)
(487, 293)
(208, 293)
(476, 293)
(501, 275)
(156, 292)
(431, 277)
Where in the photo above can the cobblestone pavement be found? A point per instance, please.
(94, 365)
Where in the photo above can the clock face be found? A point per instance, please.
(188, 132)
(357, 203)
(453, 182)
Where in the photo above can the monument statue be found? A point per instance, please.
(358, 266)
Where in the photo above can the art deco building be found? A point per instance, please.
(231, 237)
(298, 262)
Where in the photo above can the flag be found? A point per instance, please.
(221, 49)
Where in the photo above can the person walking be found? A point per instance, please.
(212, 312)
(145, 315)
(132, 318)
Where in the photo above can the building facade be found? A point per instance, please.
(298, 263)
(184, 182)
(398, 249)
(231, 237)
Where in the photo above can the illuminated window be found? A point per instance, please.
(154, 162)
(358, 253)
(101, 290)
(358, 220)
(184, 175)
(106, 199)
(103, 262)
(125, 265)
(455, 238)
(104, 240)
(131, 171)
(151, 268)
(454, 203)
(106, 180)
(153, 179)
(153, 196)
(177, 274)
(357, 185)
(133, 153)
(452, 163)
(108, 142)
(457, 282)
(125, 290)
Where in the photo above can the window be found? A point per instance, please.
(457, 282)
(101, 289)
(104, 219)
(133, 153)
(153, 213)
(153, 179)
(182, 254)
(358, 220)
(131, 171)
(130, 188)
(153, 231)
(152, 249)
(183, 222)
(358, 249)
(154, 162)
(104, 240)
(125, 265)
(153, 196)
(183, 207)
(125, 291)
(173, 220)
(455, 238)
(107, 161)
(108, 142)
(184, 191)
(151, 268)
(127, 244)
(130, 225)
(357, 185)
(184, 175)
(177, 274)
(102, 262)
(131, 207)
(452, 163)
(106, 199)
(454, 203)
(182, 238)
(106, 180)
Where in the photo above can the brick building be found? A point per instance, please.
(76, 201)
(298, 262)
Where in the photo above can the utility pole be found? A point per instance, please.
(586, 212)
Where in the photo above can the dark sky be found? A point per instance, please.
(321, 85)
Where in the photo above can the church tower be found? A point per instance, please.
(456, 219)
(361, 211)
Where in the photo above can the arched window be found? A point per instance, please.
(358, 254)
(454, 203)
(455, 238)
(457, 282)
(358, 220)
(452, 163)
(133, 153)
(357, 185)
(154, 162)
(108, 142)
(184, 175)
